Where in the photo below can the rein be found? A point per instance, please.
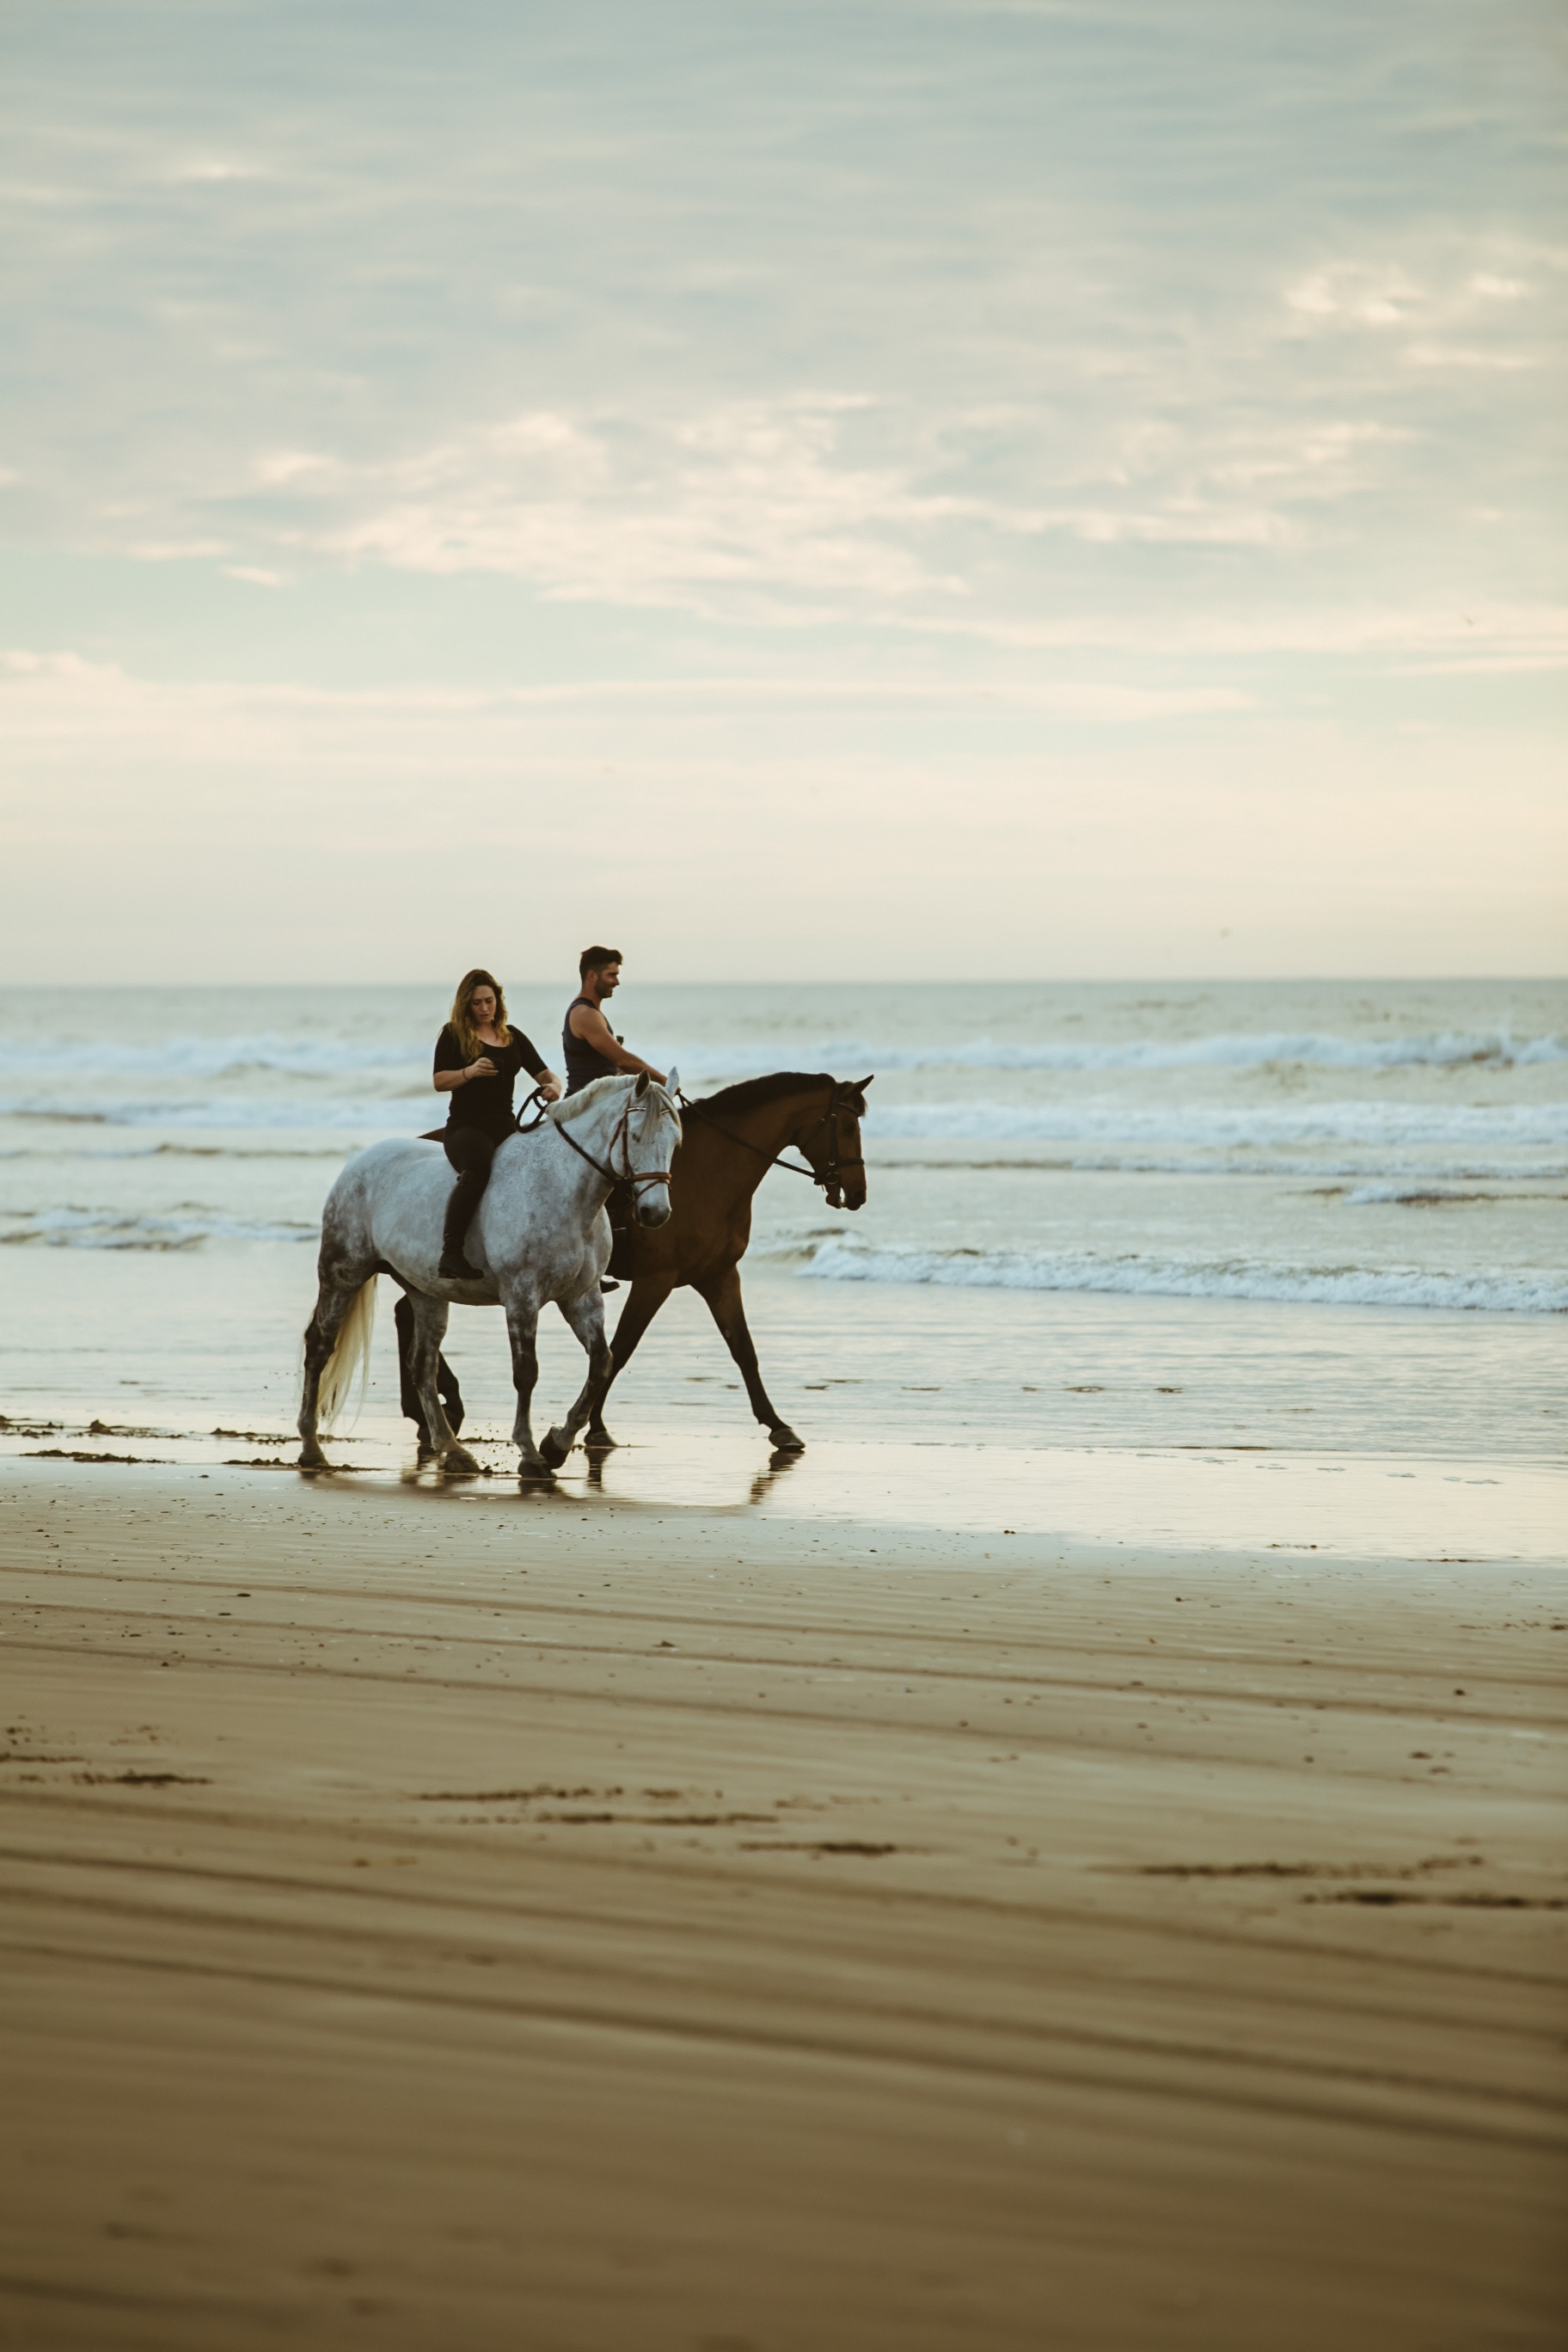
(622, 1134)
(827, 1176)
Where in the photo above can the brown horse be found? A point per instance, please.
(730, 1140)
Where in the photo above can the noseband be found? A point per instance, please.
(828, 1176)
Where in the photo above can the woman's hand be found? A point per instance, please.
(483, 1068)
(549, 1086)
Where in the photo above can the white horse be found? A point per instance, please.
(540, 1233)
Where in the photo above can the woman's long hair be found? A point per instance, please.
(468, 1037)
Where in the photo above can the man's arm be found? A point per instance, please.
(589, 1023)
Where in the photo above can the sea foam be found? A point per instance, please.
(1446, 1050)
(1225, 1125)
(1511, 1293)
(249, 1055)
(107, 1229)
(398, 1113)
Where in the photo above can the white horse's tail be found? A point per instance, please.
(349, 1359)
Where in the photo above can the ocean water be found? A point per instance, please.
(1125, 1222)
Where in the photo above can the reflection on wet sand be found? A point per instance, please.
(1227, 1499)
(597, 1459)
(778, 1461)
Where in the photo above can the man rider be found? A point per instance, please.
(591, 1050)
(590, 1046)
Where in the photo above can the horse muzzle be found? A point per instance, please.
(653, 1208)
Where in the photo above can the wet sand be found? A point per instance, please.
(435, 1919)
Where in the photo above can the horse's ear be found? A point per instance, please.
(641, 1086)
(864, 1084)
(672, 1084)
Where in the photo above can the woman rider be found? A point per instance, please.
(477, 1058)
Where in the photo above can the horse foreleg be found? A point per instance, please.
(522, 1330)
(428, 1324)
(648, 1296)
(724, 1304)
(586, 1316)
(334, 1299)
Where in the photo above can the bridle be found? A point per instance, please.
(621, 1134)
(828, 1176)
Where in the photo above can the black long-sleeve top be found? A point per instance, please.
(486, 1103)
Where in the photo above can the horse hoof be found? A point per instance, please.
(312, 1458)
(557, 1445)
(457, 1463)
(599, 1441)
(535, 1473)
(784, 1440)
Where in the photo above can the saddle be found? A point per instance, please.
(622, 1210)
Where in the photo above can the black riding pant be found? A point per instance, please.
(470, 1151)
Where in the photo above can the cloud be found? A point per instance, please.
(761, 826)
(473, 394)
(53, 701)
(1073, 307)
(610, 506)
(809, 505)
(202, 171)
(1526, 636)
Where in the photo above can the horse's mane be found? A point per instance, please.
(595, 1089)
(751, 1092)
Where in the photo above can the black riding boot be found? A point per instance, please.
(470, 1153)
(454, 1267)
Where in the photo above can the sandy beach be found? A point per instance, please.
(966, 597)
(433, 1919)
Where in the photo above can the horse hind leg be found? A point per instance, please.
(447, 1388)
(428, 1325)
(586, 1316)
(334, 1300)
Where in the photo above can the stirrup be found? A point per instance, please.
(606, 1285)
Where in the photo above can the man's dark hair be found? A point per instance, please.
(596, 959)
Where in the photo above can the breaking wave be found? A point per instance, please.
(107, 1229)
(395, 1115)
(1447, 1050)
(1134, 1275)
(210, 1057)
(1101, 1121)
(1223, 1126)
(329, 1058)
(1468, 1171)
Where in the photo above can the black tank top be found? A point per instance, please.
(583, 1062)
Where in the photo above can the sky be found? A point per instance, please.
(940, 488)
